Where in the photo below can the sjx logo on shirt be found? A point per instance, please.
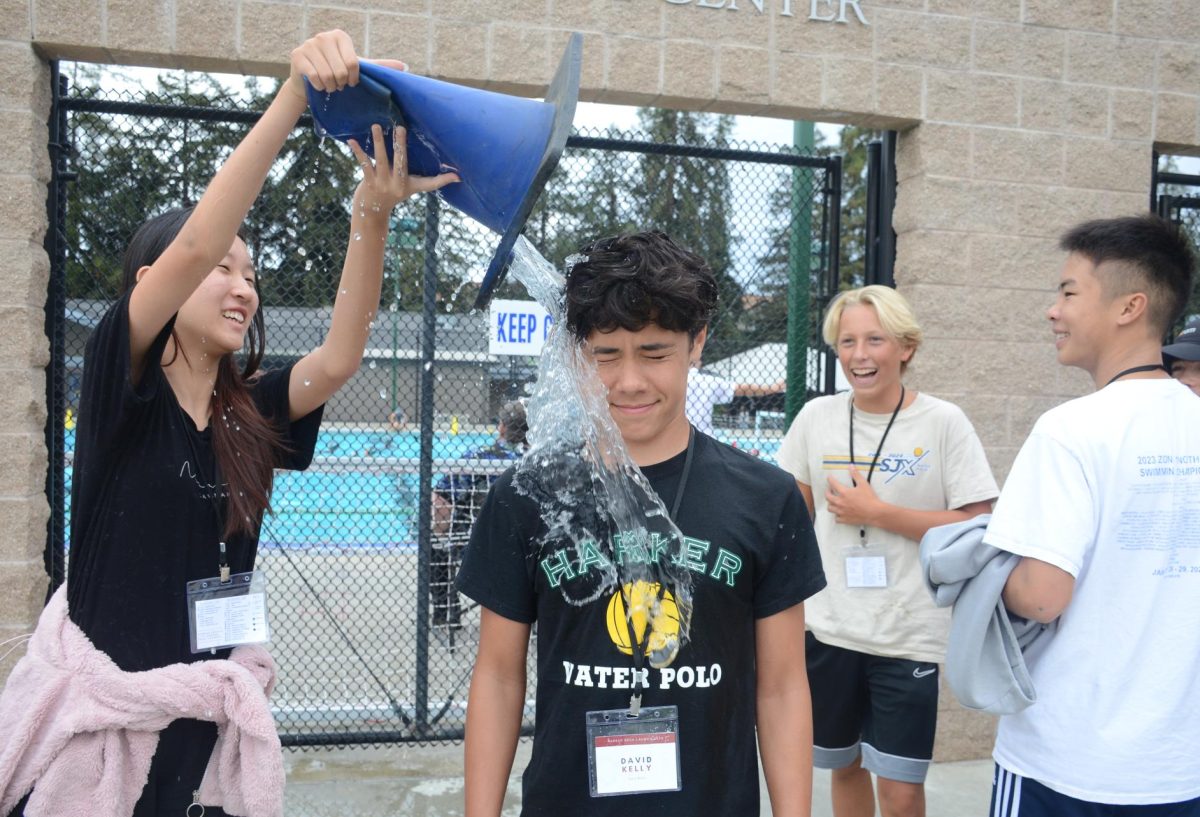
(890, 465)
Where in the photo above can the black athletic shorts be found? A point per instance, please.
(882, 708)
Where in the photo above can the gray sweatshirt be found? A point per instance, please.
(985, 665)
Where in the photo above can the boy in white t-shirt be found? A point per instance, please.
(1103, 504)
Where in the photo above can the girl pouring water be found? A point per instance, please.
(176, 444)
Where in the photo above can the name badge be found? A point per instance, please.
(633, 754)
(866, 571)
(228, 614)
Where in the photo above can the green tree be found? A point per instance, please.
(796, 188)
(128, 169)
(852, 147)
(690, 200)
(808, 185)
(589, 196)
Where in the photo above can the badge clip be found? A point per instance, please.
(224, 565)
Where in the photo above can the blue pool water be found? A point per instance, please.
(363, 489)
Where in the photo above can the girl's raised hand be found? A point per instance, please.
(328, 62)
(385, 183)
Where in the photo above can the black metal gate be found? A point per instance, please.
(1183, 210)
(368, 650)
(1176, 196)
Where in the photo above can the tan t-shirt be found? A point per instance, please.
(932, 460)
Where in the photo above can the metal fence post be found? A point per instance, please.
(881, 198)
(799, 328)
(425, 512)
(56, 249)
(833, 267)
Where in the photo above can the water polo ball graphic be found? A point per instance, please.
(639, 604)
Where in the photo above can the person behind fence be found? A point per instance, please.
(707, 391)
(639, 307)
(457, 499)
(398, 419)
(1101, 506)
(878, 466)
(115, 710)
(1182, 358)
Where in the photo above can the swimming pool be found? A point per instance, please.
(363, 488)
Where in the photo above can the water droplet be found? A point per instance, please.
(203, 339)
(383, 394)
(308, 382)
(429, 365)
(358, 236)
(371, 365)
(341, 292)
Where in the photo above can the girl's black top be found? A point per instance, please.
(146, 514)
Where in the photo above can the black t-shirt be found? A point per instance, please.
(144, 509)
(752, 554)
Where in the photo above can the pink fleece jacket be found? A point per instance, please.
(80, 733)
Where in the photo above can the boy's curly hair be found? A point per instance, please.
(629, 281)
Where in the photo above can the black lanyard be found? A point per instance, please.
(683, 477)
(862, 531)
(222, 555)
(638, 645)
(1149, 367)
(218, 516)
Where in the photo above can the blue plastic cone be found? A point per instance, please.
(503, 147)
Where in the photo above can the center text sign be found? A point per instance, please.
(517, 327)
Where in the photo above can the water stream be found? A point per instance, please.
(598, 508)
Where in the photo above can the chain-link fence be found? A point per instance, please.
(1183, 209)
(372, 642)
(1176, 196)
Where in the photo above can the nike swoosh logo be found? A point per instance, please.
(920, 673)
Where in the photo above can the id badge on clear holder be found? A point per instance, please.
(866, 566)
(228, 614)
(633, 754)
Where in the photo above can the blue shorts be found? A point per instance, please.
(1016, 796)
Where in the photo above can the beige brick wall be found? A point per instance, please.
(24, 350)
(1018, 119)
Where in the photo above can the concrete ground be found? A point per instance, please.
(412, 781)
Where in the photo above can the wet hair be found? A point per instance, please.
(893, 310)
(1145, 254)
(245, 458)
(516, 426)
(630, 281)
